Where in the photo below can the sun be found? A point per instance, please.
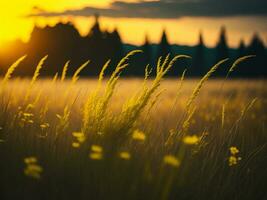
(15, 24)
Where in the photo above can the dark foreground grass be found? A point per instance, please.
(53, 145)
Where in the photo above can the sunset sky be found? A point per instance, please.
(183, 19)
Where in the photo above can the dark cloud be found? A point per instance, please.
(170, 9)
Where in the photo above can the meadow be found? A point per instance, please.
(116, 138)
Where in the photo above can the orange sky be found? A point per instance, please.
(184, 30)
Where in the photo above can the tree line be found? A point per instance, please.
(63, 42)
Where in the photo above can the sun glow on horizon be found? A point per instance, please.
(15, 24)
(184, 31)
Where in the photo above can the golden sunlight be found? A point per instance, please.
(184, 30)
(14, 23)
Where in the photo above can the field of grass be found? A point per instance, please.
(115, 138)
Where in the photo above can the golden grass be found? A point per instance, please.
(153, 134)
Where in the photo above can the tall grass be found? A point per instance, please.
(96, 106)
(9, 72)
(64, 71)
(59, 142)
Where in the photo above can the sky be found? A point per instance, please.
(182, 19)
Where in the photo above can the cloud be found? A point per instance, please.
(169, 9)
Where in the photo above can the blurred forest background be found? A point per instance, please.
(63, 42)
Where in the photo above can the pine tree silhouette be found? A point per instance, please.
(222, 52)
(222, 46)
(116, 44)
(95, 47)
(241, 51)
(258, 65)
(95, 32)
(164, 47)
(242, 69)
(113, 49)
(147, 51)
(198, 67)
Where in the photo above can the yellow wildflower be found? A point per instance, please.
(78, 134)
(32, 174)
(125, 155)
(191, 139)
(139, 135)
(30, 160)
(171, 160)
(32, 169)
(234, 150)
(96, 148)
(96, 156)
(75, 144)
(233, 159)
(80, 137)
